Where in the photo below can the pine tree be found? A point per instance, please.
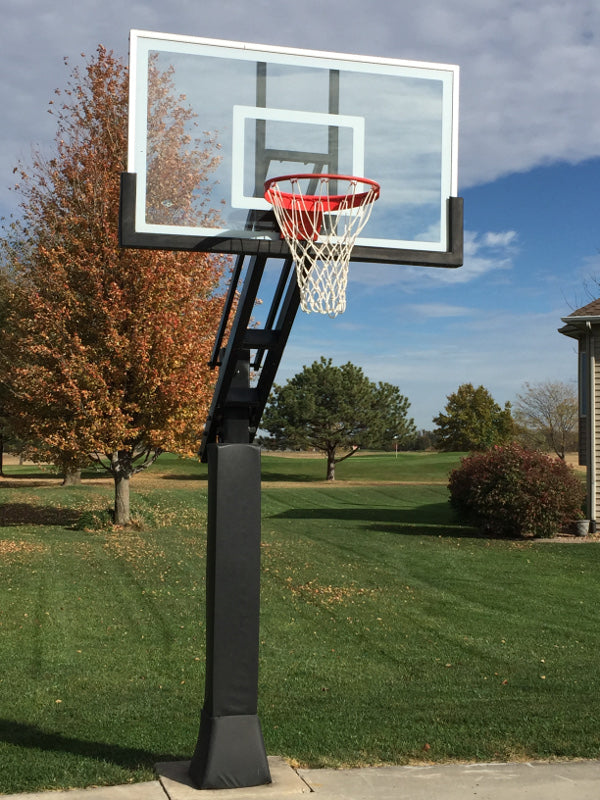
(331, 408)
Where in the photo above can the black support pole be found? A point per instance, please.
(230, 752)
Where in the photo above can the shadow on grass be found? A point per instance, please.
(280, 477)
(275, 477)
(16, 480)
(190, 476)
(28, 514)
(30, 736)
(434, 519)
(29, 480)
(449, 530)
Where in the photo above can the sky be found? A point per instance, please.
(529, 171)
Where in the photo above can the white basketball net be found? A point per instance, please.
(321, 230)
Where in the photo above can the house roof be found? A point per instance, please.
(591, 310)
(577, 320)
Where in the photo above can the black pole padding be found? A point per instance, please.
(230, 752)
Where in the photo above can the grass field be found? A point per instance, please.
(390, 633)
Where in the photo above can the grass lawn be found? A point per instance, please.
(390, 633)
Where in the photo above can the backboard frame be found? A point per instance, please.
(261, 240)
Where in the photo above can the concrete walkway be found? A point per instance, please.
(570, 780)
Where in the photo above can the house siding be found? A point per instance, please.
(584, 325)
(584, 445)
(596, 418)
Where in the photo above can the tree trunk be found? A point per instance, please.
(331, 465)
(71, 477)
(121, 499)
(1, 456)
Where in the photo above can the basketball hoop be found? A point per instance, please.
(321, 228)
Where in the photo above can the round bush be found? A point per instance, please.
(510, 492)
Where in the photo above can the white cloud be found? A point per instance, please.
(439, 310)
(477, 244)
(484, 254)
(504, 239)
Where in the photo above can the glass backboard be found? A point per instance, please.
(210, 121)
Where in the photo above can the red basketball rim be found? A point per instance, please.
(328, 202)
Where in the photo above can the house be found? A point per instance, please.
(584, 326)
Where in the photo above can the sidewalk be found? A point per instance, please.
(569, 780)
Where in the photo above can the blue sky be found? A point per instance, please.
(529, 170)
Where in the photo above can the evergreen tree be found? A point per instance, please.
(331, 408)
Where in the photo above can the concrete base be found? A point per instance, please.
(175, 780)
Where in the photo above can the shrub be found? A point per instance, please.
(509, 491)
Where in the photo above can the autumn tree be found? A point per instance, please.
(107, 347)
(178, 165)
(547, 414)
(5, 305)
(472, 420)
(334, 409)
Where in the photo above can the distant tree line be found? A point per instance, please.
(545, 418)
(338, 411)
